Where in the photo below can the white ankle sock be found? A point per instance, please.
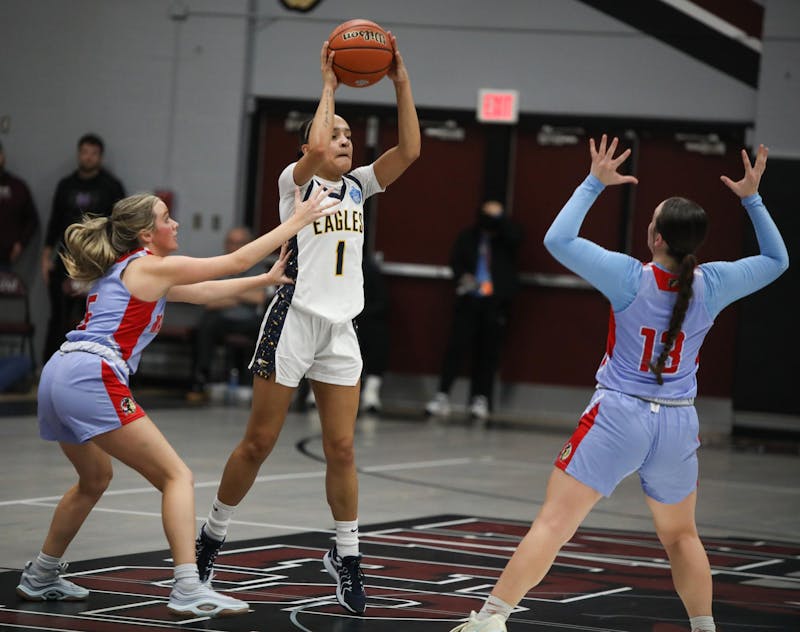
(495, 605)
(187, 576)
(706, 624)
(45, 563)
(218, 519)
(346, 537)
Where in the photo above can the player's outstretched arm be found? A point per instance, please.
(222, 290)
(322, 125)
(392, 163)
(149, 278)
(613, 273)
(728, 281)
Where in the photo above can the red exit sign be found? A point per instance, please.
(498, 106)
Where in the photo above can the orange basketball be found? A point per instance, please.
(363, 52)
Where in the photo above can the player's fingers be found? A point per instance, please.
(603, 141)
(612, 147)
(592, 149)
(746, 161)
(761, 159)
(621, 158)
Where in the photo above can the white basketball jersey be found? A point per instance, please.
(326, 255)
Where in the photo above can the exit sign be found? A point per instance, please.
(498, 106)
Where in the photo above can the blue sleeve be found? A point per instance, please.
(615, 274)
(728, 281)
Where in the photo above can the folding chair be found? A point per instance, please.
(15, 311)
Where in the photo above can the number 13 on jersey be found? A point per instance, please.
(674, 357)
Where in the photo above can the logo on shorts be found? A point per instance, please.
(356, 195)
(565, 452)
(127, 405)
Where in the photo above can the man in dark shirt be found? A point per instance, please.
(18, 216)
(90, 189)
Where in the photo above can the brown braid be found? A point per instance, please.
(682, 224)
(685, 280)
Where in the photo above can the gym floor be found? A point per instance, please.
(444, 501)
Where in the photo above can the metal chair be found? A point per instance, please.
(15, 312)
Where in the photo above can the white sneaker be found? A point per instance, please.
(439, 406)
(201, 601)
(495, 623)
(49, 585)
(370, 396)
(479, 408)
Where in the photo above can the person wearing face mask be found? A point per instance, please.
(484, 264)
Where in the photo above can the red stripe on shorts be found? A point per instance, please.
(120, 395)
(584, 425)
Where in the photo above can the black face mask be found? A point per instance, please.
(488, 222)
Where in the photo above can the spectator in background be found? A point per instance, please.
(373, 334)
(18, 216)
(89, 189)
(484, 264)
(237, 314)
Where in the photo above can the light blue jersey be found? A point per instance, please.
(117, 320)
(620, 432)
(642, 297)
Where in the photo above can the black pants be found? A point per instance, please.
(211, 330)
(373, 337)
(479, 325)
(66, 311)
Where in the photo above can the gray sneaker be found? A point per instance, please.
(49, 586)
(201, 601)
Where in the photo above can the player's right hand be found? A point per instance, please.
(316, 206)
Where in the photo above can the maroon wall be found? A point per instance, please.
(556, 335)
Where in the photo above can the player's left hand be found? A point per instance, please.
(397, 71)
(748, 185)
(277, 273)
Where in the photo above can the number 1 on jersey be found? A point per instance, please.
(340, 258)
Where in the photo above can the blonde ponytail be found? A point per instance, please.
(95, 243)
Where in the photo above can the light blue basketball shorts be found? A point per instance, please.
(81, 395)
(619, 434)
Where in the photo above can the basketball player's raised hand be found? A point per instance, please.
(397, 71)
(316, 206)
(752, 174)
(605, 165)
(326, 66)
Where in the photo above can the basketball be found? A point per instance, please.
(363, 52)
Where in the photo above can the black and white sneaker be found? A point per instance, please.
(349, 580)
(206, 549)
